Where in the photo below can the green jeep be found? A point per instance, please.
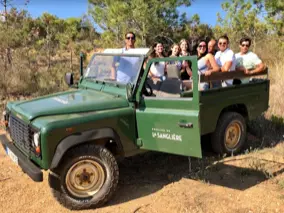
(116, 111)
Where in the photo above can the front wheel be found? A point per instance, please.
(86, 178)
(230, 134)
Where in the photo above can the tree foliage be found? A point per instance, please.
(275, 15)
(147, 18)
(243, 18)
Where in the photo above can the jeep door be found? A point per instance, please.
(169, 122)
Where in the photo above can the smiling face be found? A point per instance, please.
(159, 48)
(201, 49)
(211, 46)
(129, 40)
(184, 46)
(244, 46)
(175, 50)
(223, 44)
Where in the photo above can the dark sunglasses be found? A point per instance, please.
(200, 46)
(222, 43)
(130, 38)
(245, 45)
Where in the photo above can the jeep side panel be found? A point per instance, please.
(168, 124)
(250, 99)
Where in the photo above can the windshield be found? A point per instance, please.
(121, 69)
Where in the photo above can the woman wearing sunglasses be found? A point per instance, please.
(206, 63)
(225, 58)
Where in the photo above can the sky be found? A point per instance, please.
(206, 9)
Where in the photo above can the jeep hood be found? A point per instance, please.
(74, 101)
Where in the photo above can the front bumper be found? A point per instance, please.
(25, 163)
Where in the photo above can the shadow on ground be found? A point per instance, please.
(267, 133)
(147, 173)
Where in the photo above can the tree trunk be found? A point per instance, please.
(71, 60)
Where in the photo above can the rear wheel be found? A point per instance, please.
(230, 134)
(86, 178)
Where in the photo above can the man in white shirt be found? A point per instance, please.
(124, 72)
(225, 58)
(247, 61)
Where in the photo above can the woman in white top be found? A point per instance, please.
(157, 69)
(206, 63)
(225, 58)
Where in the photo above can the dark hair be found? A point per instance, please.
(130, 32)
(196, 46)
(224, 37)
(153, 51)
(153, 54)
(245, 39)
(171, 52)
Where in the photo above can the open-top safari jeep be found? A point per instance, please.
(78, 135)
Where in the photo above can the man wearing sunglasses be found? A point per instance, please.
(129, 40)
(124, 73)
(247, 61)
(225, 58)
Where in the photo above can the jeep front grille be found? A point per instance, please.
(22, 134)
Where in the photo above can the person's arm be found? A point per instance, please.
(227, 66)
(213, 65)
(113, 68)
(258, 68)
(113, 72)
(185, 67)
(240, 68)
(229, 58)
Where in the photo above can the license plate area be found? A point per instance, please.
(13, 157)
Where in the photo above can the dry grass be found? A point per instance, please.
(276, 89)
(29, 76)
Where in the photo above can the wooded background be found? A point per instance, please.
(35, 53)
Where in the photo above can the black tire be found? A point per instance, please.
(81, 160)
(229, 121)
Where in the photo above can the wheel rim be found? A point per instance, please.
(85, 178)
(233, 135)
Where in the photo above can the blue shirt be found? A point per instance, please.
(126, 71)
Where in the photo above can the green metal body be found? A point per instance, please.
(142, 123)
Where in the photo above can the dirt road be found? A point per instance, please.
(156, 182)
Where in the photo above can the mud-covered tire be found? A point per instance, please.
(230, 134)
(85, 166)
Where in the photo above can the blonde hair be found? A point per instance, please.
(184, 40)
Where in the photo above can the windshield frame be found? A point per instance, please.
(115, 83)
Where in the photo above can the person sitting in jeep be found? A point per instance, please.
(247, 61)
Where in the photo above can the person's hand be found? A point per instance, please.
(248, 72)
(185, 64)
(207, 73)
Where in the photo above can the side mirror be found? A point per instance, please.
(69, 80)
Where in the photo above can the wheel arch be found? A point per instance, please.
(106, 137)
(239, 108)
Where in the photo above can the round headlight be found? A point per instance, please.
(36, 138)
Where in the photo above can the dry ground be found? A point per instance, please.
(156, 182)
